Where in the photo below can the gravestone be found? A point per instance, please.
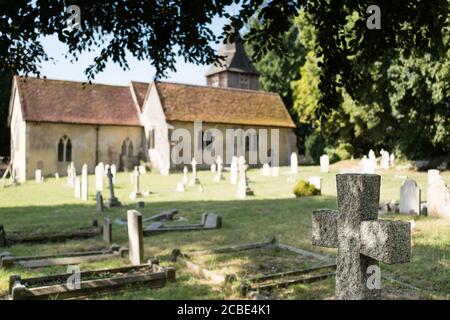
(213, 168)
(185, 175)
(142, 169)
(243, 189)
(140, 205)
(410, 198)
(84, 183)
(180, 187)
(324, 163)
(384, 163)
(433, 176)
(107, 230)
(218, 176)
(38, 176)
(234, 170)
(99, 207)
(69, 176)
(135, 177)
(57, 176)
(107, 167)
(361, 239)
(275, 171)
(294, 163)
(265, 170)
(77, 188)
(194, 179)
(372, 157)
(438, 196)
(99, 173)
(135, 237)
(368, 165)
(112, 201)
(316, 182)
(392, 160)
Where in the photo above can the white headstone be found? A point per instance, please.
(234, 170)
(194, 179)
(99, 176)
(135, 237)
(213, 168)
(316, 182)
(384, 164)
(57, 176)
(180, 187)
(368, 165)
(275, 171)
(185, 175)
(84, 183)
(433, 176)
(38, 176)
(114, 172)
(410, 198)
(77, 188)
(438, 196)
(142, 169)
(392, 160)
(324, 163)
(219, 176)
(294, 163)
(265, 170)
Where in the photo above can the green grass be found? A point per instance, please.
(274, 210)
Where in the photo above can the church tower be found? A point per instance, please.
(236, 71)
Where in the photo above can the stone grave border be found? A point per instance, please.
(70, 258)
(104, 280)
(248, 284)
(81, 233)
(159, 227)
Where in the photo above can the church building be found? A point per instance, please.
(55, 122)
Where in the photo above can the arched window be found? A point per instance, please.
(130, 149)
(64, 149)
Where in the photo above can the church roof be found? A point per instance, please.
(45, 100)
(183, 102)
(236, 59)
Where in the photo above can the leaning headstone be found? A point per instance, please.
(294, 163)
(265, 170)
(234, 170)
(99, 173)
(135, 237)
(38, 176)
(362, 240)
(194, 179)
(99, 207)
(77, 188)
(218, 176)
(409, 198)
(112, 201)
(84, 183)
(107, 230)
(324, 163)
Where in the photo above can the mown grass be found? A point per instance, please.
(33, 208)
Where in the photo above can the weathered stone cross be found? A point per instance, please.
(361, 239)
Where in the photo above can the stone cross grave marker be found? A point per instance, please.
(135, 177)
(112, 201)
(243, 189)
(135, 237)
(180, 186)
(84, 183)
(114, 172)
(361, 239)
(234, 170)
(324, 163)
(294, 163)
(410, 198)
(218, 176)
(194, 179)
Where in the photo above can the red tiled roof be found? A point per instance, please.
(45, 100)
(140, 89)
(182, 102)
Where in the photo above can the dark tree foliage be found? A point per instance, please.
(160, 30)
(5, 92)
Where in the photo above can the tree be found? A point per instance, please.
(5, 93)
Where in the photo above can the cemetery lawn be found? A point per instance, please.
(273, 211)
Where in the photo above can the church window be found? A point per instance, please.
(244, 81)
(64, 149)
(127, 148)
(151, 138)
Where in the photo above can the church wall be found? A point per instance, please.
(154, 120)
(233, 81)
(43, 139)
(18, 139)
(287, 139)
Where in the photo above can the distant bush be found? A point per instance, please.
(305, 189)
(314, 146)
(343, 151)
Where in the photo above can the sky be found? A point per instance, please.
(63, 69)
